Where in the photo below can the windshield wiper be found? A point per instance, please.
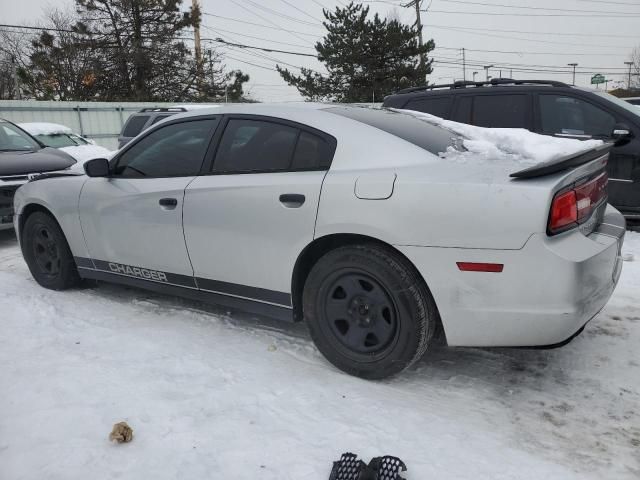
(16, 149)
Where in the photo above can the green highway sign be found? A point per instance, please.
(597, 79)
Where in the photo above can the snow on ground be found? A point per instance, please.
(211, 394)
(495, 144)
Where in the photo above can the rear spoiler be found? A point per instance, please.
(565, 163)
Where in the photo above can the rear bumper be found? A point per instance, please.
(547, 291)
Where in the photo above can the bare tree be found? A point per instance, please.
(635, 67)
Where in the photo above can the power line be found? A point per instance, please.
(573, 15)
(279, 14)
(301, 11)
(265, 19)
(521, 7)
(217, 29)
(260, 25)
(573, 34)
(272, 50)
(511, 37)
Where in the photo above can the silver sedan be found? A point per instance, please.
(376, 227)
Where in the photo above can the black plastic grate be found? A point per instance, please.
(347, 468)
(388, 467)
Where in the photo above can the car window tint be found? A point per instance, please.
(311, 152)
(462, 111)
(171, 151)
(158, 118)
(438, 106)
(501, 111)
(572, 116)
(134, 125)
(420, 132)
(12, 138)
(255, 146)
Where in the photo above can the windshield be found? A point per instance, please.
(12, 139)
(621, 103)
(59, 140)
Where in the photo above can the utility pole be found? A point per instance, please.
(629, 82)
(195, 5)
(574, 65)
(474, 76)
(464, 66)
(418, 24)
(486, 70)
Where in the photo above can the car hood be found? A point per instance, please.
(83, 153)
(38, 161)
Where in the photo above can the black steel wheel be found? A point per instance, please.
(47, 252)
(360, 311)
(368, 310)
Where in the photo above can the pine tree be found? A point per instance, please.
(365, 59)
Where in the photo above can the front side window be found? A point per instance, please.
(501, 111)
(573, 116)
(14, 139)
(255, 146)
(175, 150)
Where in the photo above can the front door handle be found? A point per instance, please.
(168, 203)
(292, 200)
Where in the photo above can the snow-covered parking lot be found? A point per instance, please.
(212, 394)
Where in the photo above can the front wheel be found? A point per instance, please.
(368, 311)
(47, 253)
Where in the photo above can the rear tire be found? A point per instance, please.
(368, 311)
(47, 253)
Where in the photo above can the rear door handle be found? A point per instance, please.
(168, 203)
(292, 200)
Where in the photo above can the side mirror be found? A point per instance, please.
(98, 167)
(621, 133)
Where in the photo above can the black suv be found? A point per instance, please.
(549, 108)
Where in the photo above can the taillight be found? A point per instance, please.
(574, 206)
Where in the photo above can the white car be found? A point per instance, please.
(63, 138)
(377, 227)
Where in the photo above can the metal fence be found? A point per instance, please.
(99, 121)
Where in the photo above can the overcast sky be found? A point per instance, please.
(543, 35)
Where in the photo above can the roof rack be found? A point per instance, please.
(493, 81)
(164, 109)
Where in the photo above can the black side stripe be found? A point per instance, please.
(244, 291)
(186, 281)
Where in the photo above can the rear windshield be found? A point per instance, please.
(134, 125)
(430, 137)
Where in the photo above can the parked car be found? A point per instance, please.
(22, 156)
(62, 137)
(376, 227)
(147, 117)
(546, 107)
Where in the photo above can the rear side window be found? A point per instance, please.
(462, 112)
(175, 150)
(438, 106)
(573, 116)
(501, 111)
(134, 125)
(312, 151)
(255, 146)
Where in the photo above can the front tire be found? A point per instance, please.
(368, 311)
(47, 253)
